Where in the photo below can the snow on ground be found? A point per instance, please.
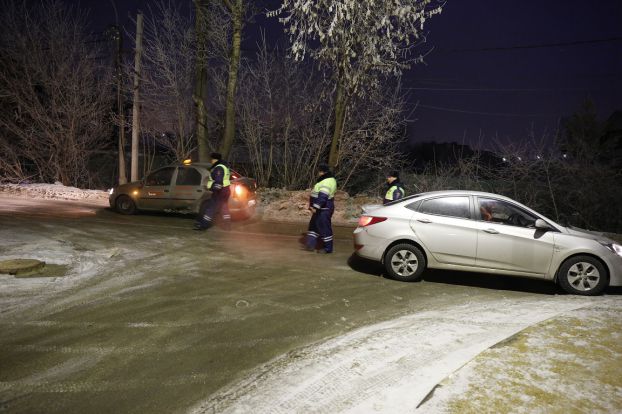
(390, 367)
(567, 364)
(67, 265)
(56, 191)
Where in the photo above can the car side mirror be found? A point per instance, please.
(542, 225)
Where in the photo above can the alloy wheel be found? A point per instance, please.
(583, 276)
(404, 263)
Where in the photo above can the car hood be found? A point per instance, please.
(587, 234)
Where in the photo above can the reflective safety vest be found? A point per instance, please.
(391, 191)
(226, 179)
(323, 193)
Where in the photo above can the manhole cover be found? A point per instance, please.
(20, 266)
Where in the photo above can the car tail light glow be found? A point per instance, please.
(365, 221)
(239, 191)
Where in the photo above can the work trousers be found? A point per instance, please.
(217, 204)
(320, 228)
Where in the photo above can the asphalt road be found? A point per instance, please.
(141, 314)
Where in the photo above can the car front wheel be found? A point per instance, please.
(125, 205)
(405, 262)
(582, 275)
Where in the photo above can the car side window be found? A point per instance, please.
(413, 206)
(499, 211)
(160, 177)
(454, 206)
(188, 176)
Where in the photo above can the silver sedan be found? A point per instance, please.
(488, 233)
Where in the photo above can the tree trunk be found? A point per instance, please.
(120, 108)
(234, 63)
(200, 89)
(136, 108)
(340, 110)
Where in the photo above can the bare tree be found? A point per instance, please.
(213, 22)
(236, 10)
(56, 96)
(372, 139)
(282, 120)
(285, 125)
(357, 41)
(200, 95)
(168, 79)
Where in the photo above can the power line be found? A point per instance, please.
(534, 46)
(498, 89)
(464, 111)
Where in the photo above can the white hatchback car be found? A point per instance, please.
(488, 233)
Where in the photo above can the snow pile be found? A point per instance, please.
(56, 191)
(292, 206)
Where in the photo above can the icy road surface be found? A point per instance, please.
(141, 314)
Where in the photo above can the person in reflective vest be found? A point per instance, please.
(395, 189)
(322, 204)
(218, 183)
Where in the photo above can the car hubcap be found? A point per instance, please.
(583, 276)
(404, 263)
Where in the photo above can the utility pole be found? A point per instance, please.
(136, 107)
(120, 107)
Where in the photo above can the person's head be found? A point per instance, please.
(215, 157)
(392, 176)
(323, 169)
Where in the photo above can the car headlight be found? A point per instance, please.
(111, 191)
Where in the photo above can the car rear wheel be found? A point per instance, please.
(405, 262)
(582, 275)
(125, 205)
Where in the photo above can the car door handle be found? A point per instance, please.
(426, 221)
(491, 231)
(166, 191)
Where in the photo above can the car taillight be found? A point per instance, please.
(365, 221)
(238, 191)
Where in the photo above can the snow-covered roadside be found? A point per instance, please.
(567, 364)
(388, 367)
(274, 204)
(56, 191)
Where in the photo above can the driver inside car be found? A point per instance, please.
(485, 211)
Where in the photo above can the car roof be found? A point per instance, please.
(463, 192)
(205, 165)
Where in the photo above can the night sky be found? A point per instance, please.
(497, 68)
